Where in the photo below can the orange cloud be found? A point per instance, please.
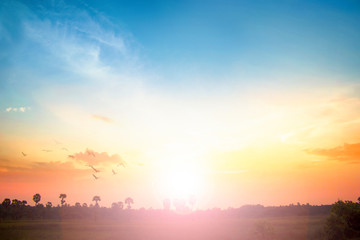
(93, 158)
(40, 171)
(347, 152)
(102, 118)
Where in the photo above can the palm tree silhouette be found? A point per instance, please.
(36, 198)
(96, 199)
(129, 201)
(62, 196)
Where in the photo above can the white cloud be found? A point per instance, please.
(16, 109)
(87, 44)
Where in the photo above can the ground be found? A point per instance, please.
(228, 228)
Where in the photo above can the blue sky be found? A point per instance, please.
(186, 49)
(212, 36)
(225, 40)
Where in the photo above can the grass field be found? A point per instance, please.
(293, 228)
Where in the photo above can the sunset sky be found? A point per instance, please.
(234, 102)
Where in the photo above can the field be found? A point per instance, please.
(293, 228)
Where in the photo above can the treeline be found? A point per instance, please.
(283, 211)
(343, 221)
(15, 210)
(65, 212)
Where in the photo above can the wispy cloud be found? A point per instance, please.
(346, 153)
(80, 42)
(231, 171)
(17, 109)
(91, 157)
(102, 118)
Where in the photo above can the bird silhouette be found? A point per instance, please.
(121, 164)
(113, 171)
(96, 178)
(94, 168)
(24, 154)
(90, 152)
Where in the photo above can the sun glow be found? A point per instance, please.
(181, 184)
(180, 171)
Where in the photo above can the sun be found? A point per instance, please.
(181, 184)
(180, 172)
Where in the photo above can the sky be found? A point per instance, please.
(232, 102)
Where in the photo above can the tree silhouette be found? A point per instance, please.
(344, 221)
(129, 201)
(167, 204)
(15, 203)
(192, 201)
(180, 205)
(48, 205)
(6, 202)
(121, 205)
(62, 196)
(96, 199)
(36, 198)
(24, 202)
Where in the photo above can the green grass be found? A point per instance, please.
(293, 228)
